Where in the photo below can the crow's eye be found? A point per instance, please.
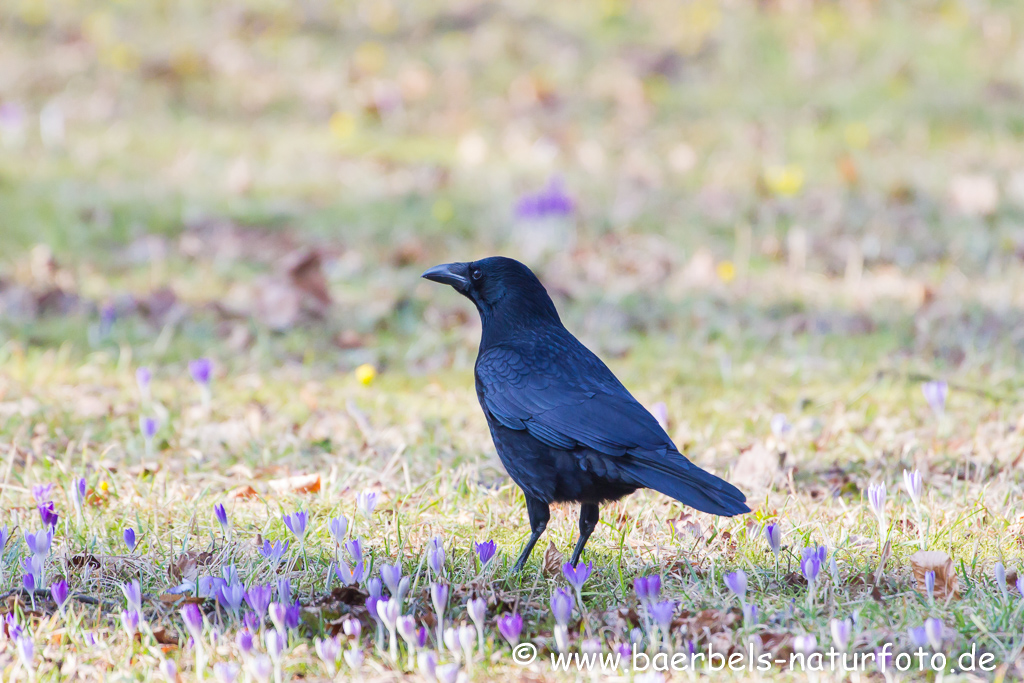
(476, 274)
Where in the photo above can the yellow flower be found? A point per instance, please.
(104, 487)
(366, 373)
(784, 181)
(726, 271)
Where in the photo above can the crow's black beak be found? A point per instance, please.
(454, 274)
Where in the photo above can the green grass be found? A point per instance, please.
(705, 287)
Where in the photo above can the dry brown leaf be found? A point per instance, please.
(946, 583)
(241, 492)
(163, 637)
(553, 560)
(302, 483)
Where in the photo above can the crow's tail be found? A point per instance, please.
(675, 476)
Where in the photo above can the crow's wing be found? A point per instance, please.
(567, 398)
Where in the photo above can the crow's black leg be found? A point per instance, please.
(539, 513)
(589, 514)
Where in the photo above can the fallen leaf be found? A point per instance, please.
(302, 483)
(163, 637)
(241, 492)
(553, 560)
(946, 582)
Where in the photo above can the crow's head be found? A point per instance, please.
(500, 287)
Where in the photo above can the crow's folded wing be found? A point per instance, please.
(563, 408)
(567, 398)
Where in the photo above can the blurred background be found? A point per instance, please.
(267, 179)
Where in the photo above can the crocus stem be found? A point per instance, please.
(393, 644)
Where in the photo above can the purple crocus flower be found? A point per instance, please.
(578, 575)
(129, 539)
(245, 643)
(354, 657)
(201, 370)
(876, 499)
(354, 548)
(59, 592)
(33, 568)
(934, 631)
(259, 598)
(352, 627)
(222, 517)
(226, 672)
(349, 576)
(426, 662)
(561, 606)
(252, 621)
(406, 627)
(192, 617)
(912, 482)
(366, 502)
(552, 201)
(841, 630)
(511, 627)
(276, 642)
(780, 425)
(297, 523)
(485, 551)
(804, 644)
(28, 581)
(661, 613)
(773, 534)
(935, 393)
(337, 527)
(810, 567)
(39, 542)
(737, 583)
(274, 551)
(43, 493)
(918, 636)
(48, 515)
(439, 598)
(232, 596)
(133, 594)
(929, 583)
(647, 587)
(5, 536)
(260, 668)
(375, 587)
(169, 670)
(77, 494)
(293, 615)
(143, 377)
(329, 650)
(435, 556)
(447, 673)
(284, 590)
(277, 616)
(750, 614)
(130, 622)
(26, 651)
(392, 576)
(148, 426)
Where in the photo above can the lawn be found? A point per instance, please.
(794, 230)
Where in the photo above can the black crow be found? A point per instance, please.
(565, 428)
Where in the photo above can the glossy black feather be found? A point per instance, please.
(564, 426)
